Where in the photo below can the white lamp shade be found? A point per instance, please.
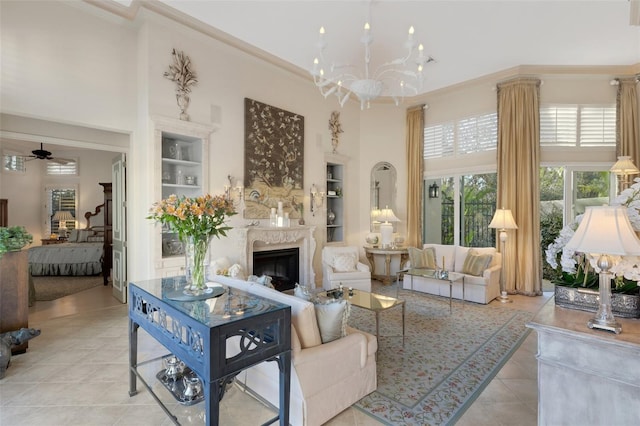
(624, 166)
(62, 216)
(605, 230)
(503, 219)
(386, 215)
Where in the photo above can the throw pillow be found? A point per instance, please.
(345, 262)
(332, 319)
(73, 236)
(264, 280)
(83, 235)
(422, 258)
(475, 263)
(301, 292)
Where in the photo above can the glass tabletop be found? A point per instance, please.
(432, 273)
(370, 301)
(231, 305)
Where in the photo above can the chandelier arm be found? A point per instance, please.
(407, 73)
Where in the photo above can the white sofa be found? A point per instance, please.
(479, 289)
(326, 378)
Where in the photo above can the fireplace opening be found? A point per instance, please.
(283, 266)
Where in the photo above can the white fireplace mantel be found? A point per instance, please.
(266, 238)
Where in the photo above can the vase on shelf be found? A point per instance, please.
(331, 216)
(195, 251)
(182, 98)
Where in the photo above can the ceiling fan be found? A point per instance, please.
(43, 154)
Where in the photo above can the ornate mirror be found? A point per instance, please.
(383, 188)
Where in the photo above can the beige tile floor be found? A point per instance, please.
(75, 373)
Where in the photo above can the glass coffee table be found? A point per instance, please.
(375, 303)
(451, 278)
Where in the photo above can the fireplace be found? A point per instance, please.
(256, 239)
(281, 265)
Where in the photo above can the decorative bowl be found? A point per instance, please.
(371, 239)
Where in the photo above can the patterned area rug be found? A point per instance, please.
(446, 361)
(55, 287)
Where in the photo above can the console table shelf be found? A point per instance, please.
(204, 334)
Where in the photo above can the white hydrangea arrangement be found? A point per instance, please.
(625, 266)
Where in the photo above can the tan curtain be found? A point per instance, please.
(415, 170)
(627, 121)
(518, 182)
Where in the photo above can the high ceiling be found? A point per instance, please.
(468, 39)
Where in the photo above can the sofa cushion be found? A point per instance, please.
(350, 276)
(303, 315)
(332, 319)
(475, 263)
(344, 262)
(444, 253)
(425, 258)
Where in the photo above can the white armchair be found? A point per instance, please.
(341, 265)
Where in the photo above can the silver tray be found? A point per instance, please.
(175, 385)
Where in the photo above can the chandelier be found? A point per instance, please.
(396, 79)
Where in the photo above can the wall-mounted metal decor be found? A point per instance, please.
(273, 160)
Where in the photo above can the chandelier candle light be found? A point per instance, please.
(395, 79)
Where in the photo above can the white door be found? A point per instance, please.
(119, 271)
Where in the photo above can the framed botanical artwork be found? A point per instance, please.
(273, 160)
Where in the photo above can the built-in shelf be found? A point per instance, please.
(335, 201)
(182, 168)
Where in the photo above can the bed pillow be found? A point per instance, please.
(332, 319)
(425, 258)
(83, 235)
(345, 262)
(73, 236)
(475, 263)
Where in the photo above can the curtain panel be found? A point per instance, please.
(415, 171)
(518, 182)
(627, 121)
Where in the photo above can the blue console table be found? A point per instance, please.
(197, 333)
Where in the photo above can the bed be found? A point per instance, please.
(82, 254)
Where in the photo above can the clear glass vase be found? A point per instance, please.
(196, 258)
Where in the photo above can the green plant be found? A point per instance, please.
(13, 238)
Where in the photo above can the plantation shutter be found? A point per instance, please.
(597, 126)
(438, 141)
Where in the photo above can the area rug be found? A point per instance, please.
(446, 360)
(54, 287)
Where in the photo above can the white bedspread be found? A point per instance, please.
(66, 259)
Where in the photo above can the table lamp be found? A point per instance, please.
(603, 232)
(62, 216)
(386, 227)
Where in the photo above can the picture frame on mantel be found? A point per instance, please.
(273, 160)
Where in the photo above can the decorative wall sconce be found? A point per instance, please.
(434, 190)
(317, 198)
(230, 191)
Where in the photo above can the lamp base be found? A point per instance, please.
(604, 318)
(504, 298)
(605, 325)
